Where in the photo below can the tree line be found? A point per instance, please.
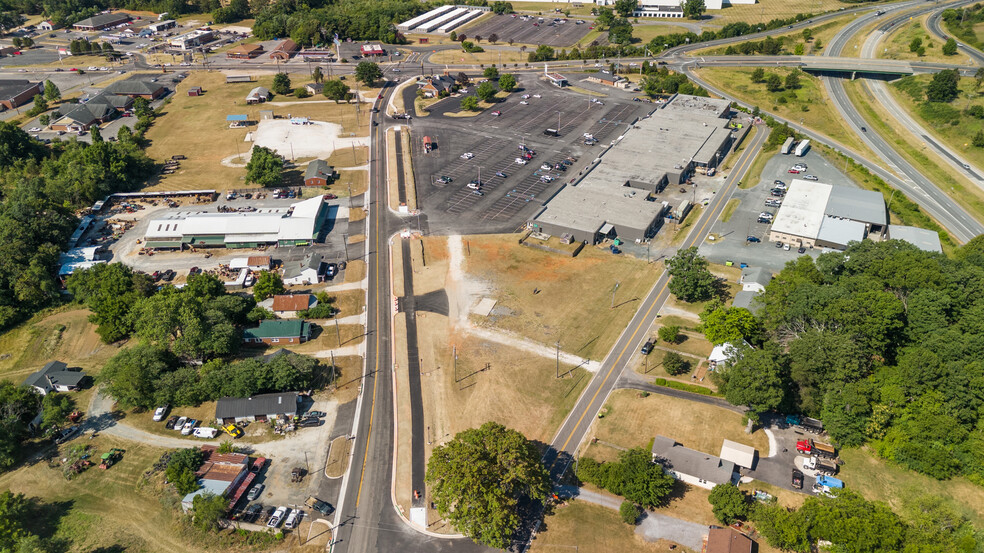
(882, 342)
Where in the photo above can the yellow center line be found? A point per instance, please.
(735, 176)
(375, 380)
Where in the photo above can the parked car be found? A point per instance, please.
(521, 161)
(34, 129)
(467, 155)
(794, 170)
(500, 174)
(322, 507)
(188, 427)
(754, 239)
(252, 512)
(170, 422)
(309, 423)
(779, 245)
(496, 113)
(647, 347)
(785, 247)
(801, 250)
(331, 271)
(161, 412)
(254, 492)
(179, 424)
(277, 517)
(800, 166)
(474, 185)
(811, 177)
(316, 414)
(293, 519)
(206, 432)
(68, 434)
(797, 479)
(444, 179)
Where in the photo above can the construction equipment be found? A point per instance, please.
(297, 474)
(111, 457)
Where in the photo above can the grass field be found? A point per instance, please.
(551, 7)
(643, 33)
(338, 457)
(729, 209)
(355, 270)
(880, 480)
(822, 34)
(764, 11)
(574, 301)
(632, 421)
(196, 127)
(326, 338)
(820, 115)
(896, 46)
(487, 57)
(586, 528)
(64, 334)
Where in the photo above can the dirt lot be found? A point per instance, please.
(197, 128)
(633, 421)
(547, 297)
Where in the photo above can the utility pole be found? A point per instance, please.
(613, 294)
(338, 333)
(454, 351)
(332, 353)
(558, 358)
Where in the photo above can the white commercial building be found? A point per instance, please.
(672, 8)
(819, 215)
(191, 40)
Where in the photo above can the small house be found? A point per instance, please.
(292, 331)
(284, 50)
(435, 85)
(195, 91)
(47, 25)
(319, 173)
(259, 408)
(258, 95)
(55, 376)
(314, 88)
(755, 279)
(307, 271)
(692, 466)
(287, 306)
(728, 540)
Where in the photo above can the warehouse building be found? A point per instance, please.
(616, 198)
(819, 215)
(297, 225)
(924, 239)
(102, 21)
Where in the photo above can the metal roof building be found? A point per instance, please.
(924, 239)
(258, 407)
(691, 466)
(297, 225)
(740, 454)
(815, 214)
(615, 198)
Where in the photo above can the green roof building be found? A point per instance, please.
(291, 331)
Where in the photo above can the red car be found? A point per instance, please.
(497, 113)
(795, 171)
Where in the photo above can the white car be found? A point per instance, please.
(474, 185)
(293, 519)
(34, 129)
(277, 517)
(160, 413)
(521, 161)
(396, 69)
(93, 68)
(179, 425)
(187, 428)
(525, 103)
(467, 155)
(537, 96)
(546, 166)
(206, 432)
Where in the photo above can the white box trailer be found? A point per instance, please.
(802, 148)
(788, 145)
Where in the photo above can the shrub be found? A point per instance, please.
(629, 512)
(669, 334)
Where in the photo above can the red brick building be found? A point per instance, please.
(16, 93)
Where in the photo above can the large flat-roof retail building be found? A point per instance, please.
(616, 198)
(820, 215)
(102, 21)
(297, 225)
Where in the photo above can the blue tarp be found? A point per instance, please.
(236, 117)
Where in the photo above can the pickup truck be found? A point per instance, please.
(322, 507)
(797, 479)
(277, 517)
(233, 430)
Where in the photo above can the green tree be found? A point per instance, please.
(337, 90)
(675, 364)
(480, 478)
(51, 92)
(757, 379)
(125, 135)
(486, 91)
(817, 45)
(758, 75)
(301, 92)
(625, 8)
(629, 512)
(268, 284)
(56, 409)
(40, 106)
(915, 45)
(131, 376)
(797, 51)
(605, 17)
(690, 280)
(979, 77)
(44, 119)
(634, 476)
(181, 467)
(721, 325)
(208, 509)
(773, 82)
(95, 134)
(110, 290)
(620, 32)
(470, 103)
(729, 504)
(368, 73)
(265, 167)
(18, 406)
(316, 75)
(491, 73)
(669, 334)
(694, 9)
(943, 87)
(950, 47)
(493, 38)
(15, 511)
(281, 84)
(507, 82)
(807, 34)
(978, 139)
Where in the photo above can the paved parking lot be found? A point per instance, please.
(495, 142)
(546, 31)
(731, 244)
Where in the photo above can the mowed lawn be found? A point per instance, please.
(64, 335)
(896, 47)
(633, 421)
(106, 510)
(587, 528)
(573, 299)
(196, 127)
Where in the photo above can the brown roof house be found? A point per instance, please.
(435, 85)
(285, 50)
(727, 540)
(287, 306)
(244, 52)
(17, 92)
(137, 88)
(219, 473)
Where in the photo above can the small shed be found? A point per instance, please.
(195, 91)
(236, 120)
(314, 88)
(739, 454)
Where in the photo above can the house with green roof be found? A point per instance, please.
(290, 331)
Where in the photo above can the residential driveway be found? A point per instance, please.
(653, 526)
(102, 419)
